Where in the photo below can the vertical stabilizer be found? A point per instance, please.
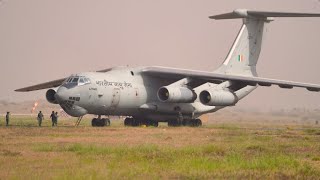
(244, 54)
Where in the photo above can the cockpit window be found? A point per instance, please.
(87, 80)
(77, 80)
(81, 80)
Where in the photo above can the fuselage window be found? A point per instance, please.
(69, 80)
(132, 73)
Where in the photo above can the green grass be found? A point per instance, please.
(313, 131)
(206, 161)
(117, 152)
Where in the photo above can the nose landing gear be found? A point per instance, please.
(98, 122)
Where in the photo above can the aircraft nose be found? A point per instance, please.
(62, 94)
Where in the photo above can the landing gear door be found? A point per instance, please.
(115, 99)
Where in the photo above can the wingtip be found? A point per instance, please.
(237, 13)
(19, 90)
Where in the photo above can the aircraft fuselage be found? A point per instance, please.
(125, 92)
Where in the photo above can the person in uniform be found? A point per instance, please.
(56, 118)
(7, 118)
(40, 118)
(52, 116)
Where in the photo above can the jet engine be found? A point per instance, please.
(216, 97)
(176, 95)
(50, 95)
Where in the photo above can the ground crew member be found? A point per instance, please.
(56, 118)
(7, 118)
(40, 118)
(52, 117)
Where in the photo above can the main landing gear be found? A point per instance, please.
(137, 122)
(185, 122)
(98, 122)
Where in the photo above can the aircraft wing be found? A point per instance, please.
(173, 73)
(46, 85)
(50, 84)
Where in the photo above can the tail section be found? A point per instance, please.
(244, 54)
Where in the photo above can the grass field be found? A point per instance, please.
(228, 150)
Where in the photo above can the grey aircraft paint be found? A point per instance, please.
(157, 94)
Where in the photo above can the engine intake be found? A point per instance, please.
(218, 98)
(176, 95)
(50, 96)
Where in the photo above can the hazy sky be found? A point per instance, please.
(42, 40)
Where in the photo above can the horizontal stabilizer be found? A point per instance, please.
(244, 13)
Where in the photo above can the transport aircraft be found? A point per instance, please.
(149, 95)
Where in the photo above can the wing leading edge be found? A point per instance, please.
(51, 84)
(209, 76)
(46, 85)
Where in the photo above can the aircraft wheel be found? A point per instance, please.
(128, 122)
(179, 122)
(94, 122)
(136, 122)
(155, 123)
(171, 123)
(105, 122)
(194, 123)
(187, 123)
(98, 123)
(198, 122)
(175, 123)
(102, 122)
(132, 122)
(149, 123)
(144, 123)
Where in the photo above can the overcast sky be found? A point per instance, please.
(42, 40)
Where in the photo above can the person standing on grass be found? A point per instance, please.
(56, 118)
(52, 118)
(7, 118)
(40, 118)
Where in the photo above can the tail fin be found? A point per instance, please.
(244, 54)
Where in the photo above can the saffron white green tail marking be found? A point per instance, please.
(240, 58)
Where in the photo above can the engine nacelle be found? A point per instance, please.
(176, 95)
(50, 95)
(216, 97)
